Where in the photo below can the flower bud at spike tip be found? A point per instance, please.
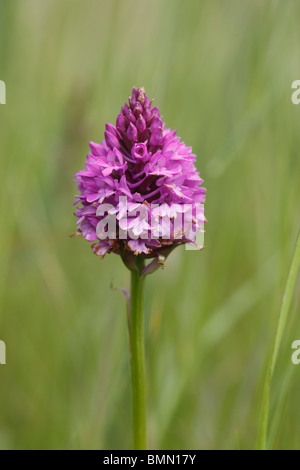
(130, 116)
(132, 133)
(156, 138)
(141, 124)
(121, 123)
(137, 110)
(111, 140)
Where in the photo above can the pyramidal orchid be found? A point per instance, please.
(140, 197)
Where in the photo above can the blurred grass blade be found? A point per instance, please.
(237, 440)
(213, 332)
(286, 302)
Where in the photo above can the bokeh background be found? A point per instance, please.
(221, 73)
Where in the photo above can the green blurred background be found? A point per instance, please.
(221, 73)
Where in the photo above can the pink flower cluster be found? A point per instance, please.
(149, 165)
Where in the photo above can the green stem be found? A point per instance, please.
(138, 375)
(286, 302)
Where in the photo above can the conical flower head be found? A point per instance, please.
(140, 193)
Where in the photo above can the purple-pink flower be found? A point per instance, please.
(140, 165)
